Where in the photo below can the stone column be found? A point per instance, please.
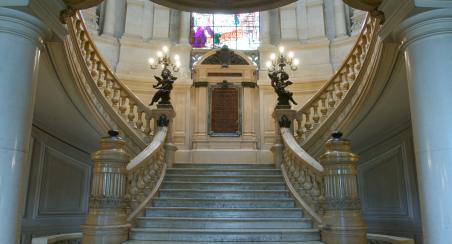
(339, 18)
(107, 216)
(161, 23)
(114, 17)
(264, 19)
(148, 20)
(315, 18)
(21, 42)
(184, 35)
(277, 148)
(342, 222)
(288, 22)
(134, 19)
(427, 45)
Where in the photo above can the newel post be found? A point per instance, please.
(343, 221)
(277, 148)
(107, 218)
(165, 117)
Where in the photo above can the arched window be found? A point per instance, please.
(237, 31)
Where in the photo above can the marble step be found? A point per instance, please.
(215, 242)
(223, 185)
(225, 166)
(224, 194)
(224, 178)
(224, 235)
(231, 172)
(224, 212)
(223, 223)
(224, 203)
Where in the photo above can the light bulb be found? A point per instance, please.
(290, 54)
(272, 56)
(159, 54)
(281, 49)
(165, 49)
(178, 64)
(268, 64)
(151, 61)
(162, 65)
(176, 57)
(296, 62)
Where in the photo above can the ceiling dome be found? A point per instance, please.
(223, 6)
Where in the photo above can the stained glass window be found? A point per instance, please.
(237, 31)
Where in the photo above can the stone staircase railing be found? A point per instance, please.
(111, 100)
(329, 103)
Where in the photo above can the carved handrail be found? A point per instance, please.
(68, 238)
(385, 239)
(332, 94)
(115, 95)
(303, 175)
(146, 173)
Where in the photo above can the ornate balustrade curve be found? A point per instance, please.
(146, 172)
(303, 176)
(108, 97)
(336, 98)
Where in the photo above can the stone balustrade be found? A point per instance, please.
(343, 83)
(327, 191)
(106, 85)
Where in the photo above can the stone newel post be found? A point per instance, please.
(106, 221)
(343, 221)
(277, 148)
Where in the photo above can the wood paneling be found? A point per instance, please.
(225, 110)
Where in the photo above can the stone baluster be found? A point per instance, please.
(343, 221)
(107, 218)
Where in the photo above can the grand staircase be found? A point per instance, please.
(241, 203)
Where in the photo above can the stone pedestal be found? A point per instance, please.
(277, 148)
(427, 45)
(106, 222)
(21, 42)
(165, 117)
(342, 222)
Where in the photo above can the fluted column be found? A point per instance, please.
(21, 42)
(339, 18)
(427, 42)
(342, 222)
(106, 222)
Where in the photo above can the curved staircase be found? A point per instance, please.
(237, 203)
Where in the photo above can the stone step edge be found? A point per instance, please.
(223, 191)
(223, 200)
(228, 231)
(223, 170)
(225, 219)
(225, 183)
(218, 176)
(224, 209)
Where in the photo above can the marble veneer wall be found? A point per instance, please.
(58, 187)
(388, 186)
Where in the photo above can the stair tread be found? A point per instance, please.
(226, 183)
(224, 200)
(240, 176)
(229, 170)
(226, 219)
(232, 230)
(224, 209)
(222, 191)
(216, 242)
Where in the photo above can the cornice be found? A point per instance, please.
(23, 25)
(49, 12)
(426, 24)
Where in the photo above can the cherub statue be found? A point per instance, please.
(164, 86)
(279, 81)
